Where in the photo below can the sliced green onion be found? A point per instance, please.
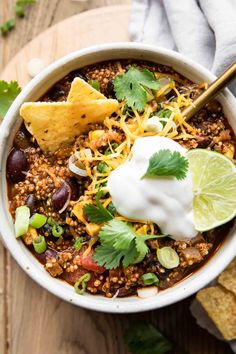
(102, 167)
(22, 220)
(57, 230)
(164, 113)
(78, 243)
(111, 208)
(51, 222)
(149, 279)
(108, 150)
(81, 285)
(40, 244)
(95, 84)
(37, 220)
(168, 257)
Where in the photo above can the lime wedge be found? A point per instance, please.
(214, 184)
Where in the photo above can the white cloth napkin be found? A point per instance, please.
(204, 30)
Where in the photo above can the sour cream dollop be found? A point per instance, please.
(166, 201)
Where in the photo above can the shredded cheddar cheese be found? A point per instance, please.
(130, 128)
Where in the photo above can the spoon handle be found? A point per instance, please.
(214, 88)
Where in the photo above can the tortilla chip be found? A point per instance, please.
(57, 124)
(228, 278)
(220, 304)
(81, 91)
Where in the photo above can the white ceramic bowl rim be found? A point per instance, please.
(10, 124)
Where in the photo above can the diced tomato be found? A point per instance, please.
(88, 263)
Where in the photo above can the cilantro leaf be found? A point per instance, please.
(141, 247)
(130, 255)
(7, 26)
(120, 243)
(167, 163)
(108, 256)
(111, 258)
(20, 6)
(132, 86)
(97, 213)
(143, 338)
(8, 92)
(118, 234)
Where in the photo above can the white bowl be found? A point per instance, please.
(32, 92)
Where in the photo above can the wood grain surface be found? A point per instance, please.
(32, 321)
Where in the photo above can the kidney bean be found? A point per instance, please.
(16, 164)
(31, 202)
(60, 196)
(75, 190)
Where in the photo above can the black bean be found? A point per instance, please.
(109, 90)
(77, 73)
(171, 95)
(31, 202)
(47, 229)
(22, 140)
(60, 196)
(16, 165)
(57, 93)
(67, 234)
(75, 190)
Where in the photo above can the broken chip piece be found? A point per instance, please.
(56, 124)
(81, 91)
(228, 278)
(220, 304)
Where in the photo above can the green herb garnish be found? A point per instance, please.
(102, 167)
(95, 84)
(97, 213)
(8, 92)
(39, 244)
(20, 6)
(57, 231)
(164, 113)
(167, 163)
(7, 26)
(37, 220)
(120, 243)
(149, 279)
(81, 285)
(79, 242)
(132, 87)
(143, 338)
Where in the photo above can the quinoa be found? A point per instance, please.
(47, 174)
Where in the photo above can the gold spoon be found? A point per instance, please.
(214, 88)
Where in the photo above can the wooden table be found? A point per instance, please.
(32, 321)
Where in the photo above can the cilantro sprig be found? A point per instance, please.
(132, 87)
(97, 213)
(167, 163)
(120, 244)
(7, 26)
(8, 92)
(144, 338)
(20, 6)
